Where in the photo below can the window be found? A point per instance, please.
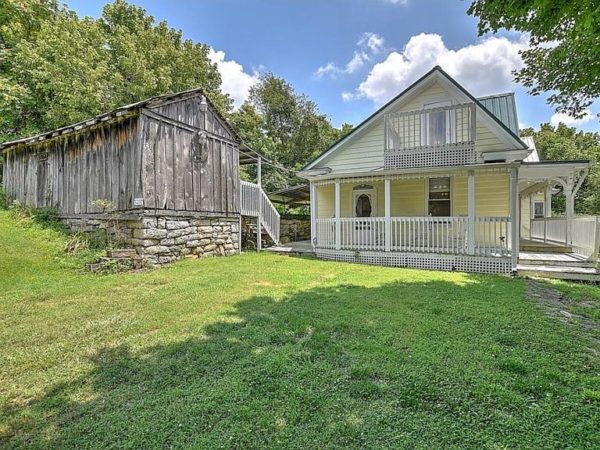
(538, 210)
(363, 206)
(436, 131)
(439, 197)
(438, 127)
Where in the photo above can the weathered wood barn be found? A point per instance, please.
(168, 168)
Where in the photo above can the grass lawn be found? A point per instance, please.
(270, 351)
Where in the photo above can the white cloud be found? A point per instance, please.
(483, 68)
(235, 81)
(397, 2)
(368, 45)
(372, 41)
(571, 121)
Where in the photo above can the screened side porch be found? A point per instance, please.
(455, 213)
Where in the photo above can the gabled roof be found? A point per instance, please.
(119, 112)
(510, 134)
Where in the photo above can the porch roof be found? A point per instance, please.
(541, 170)
(323, 176)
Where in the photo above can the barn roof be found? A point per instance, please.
(247, 154)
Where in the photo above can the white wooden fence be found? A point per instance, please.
(255, 203)
(449, 235)
(581, 233)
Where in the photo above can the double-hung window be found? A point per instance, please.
(439, 197)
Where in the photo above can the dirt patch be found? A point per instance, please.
(556, 305)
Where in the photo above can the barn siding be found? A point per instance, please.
(176, 180)
(141, 157)
(70, 173)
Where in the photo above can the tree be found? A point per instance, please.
(564, 46)
(285, 126)
(563, 142)
(58, 68)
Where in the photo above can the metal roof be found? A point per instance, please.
(503, 106)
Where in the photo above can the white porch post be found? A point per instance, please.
(258, 219)
(314, 205)
(514, 216)
(471, 212)
(338, 223)
(569, 206)
(388, 214)
(548, 201)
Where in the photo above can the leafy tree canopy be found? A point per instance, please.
(563, 142)
(564, 46)
(285, 126)
(57, 68)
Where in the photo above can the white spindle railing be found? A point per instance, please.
(430, 137)
(429, 234)
(255, 203)
(492, 236)
(250, 199)
(580, 233)
(325, 233)
(363, 233)
(447, 235)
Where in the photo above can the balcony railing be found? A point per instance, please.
(443, 136)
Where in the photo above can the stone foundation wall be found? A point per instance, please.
(161, 240)
(294, 228)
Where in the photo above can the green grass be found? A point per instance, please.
(268, 351)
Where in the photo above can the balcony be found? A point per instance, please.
(443, 136)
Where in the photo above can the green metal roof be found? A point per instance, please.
(503, 106)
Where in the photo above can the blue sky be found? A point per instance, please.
(349, 56)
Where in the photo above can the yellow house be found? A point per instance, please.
(437, 179)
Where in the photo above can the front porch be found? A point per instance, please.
(452, 219)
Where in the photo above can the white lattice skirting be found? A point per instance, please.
(460, 263)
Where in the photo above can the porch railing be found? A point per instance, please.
(432, 137)
(582, 234)
(449, 235)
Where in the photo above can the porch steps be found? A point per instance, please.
(559, 272)
(554, 259)
(542, 247)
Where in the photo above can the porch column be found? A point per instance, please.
(258, 219)
(569, 206)
(338, 223)
(514, 216)
(388, 215)
(471, 212)
(314, 205)
(548, 201)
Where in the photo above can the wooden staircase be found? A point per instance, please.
(256, 203)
